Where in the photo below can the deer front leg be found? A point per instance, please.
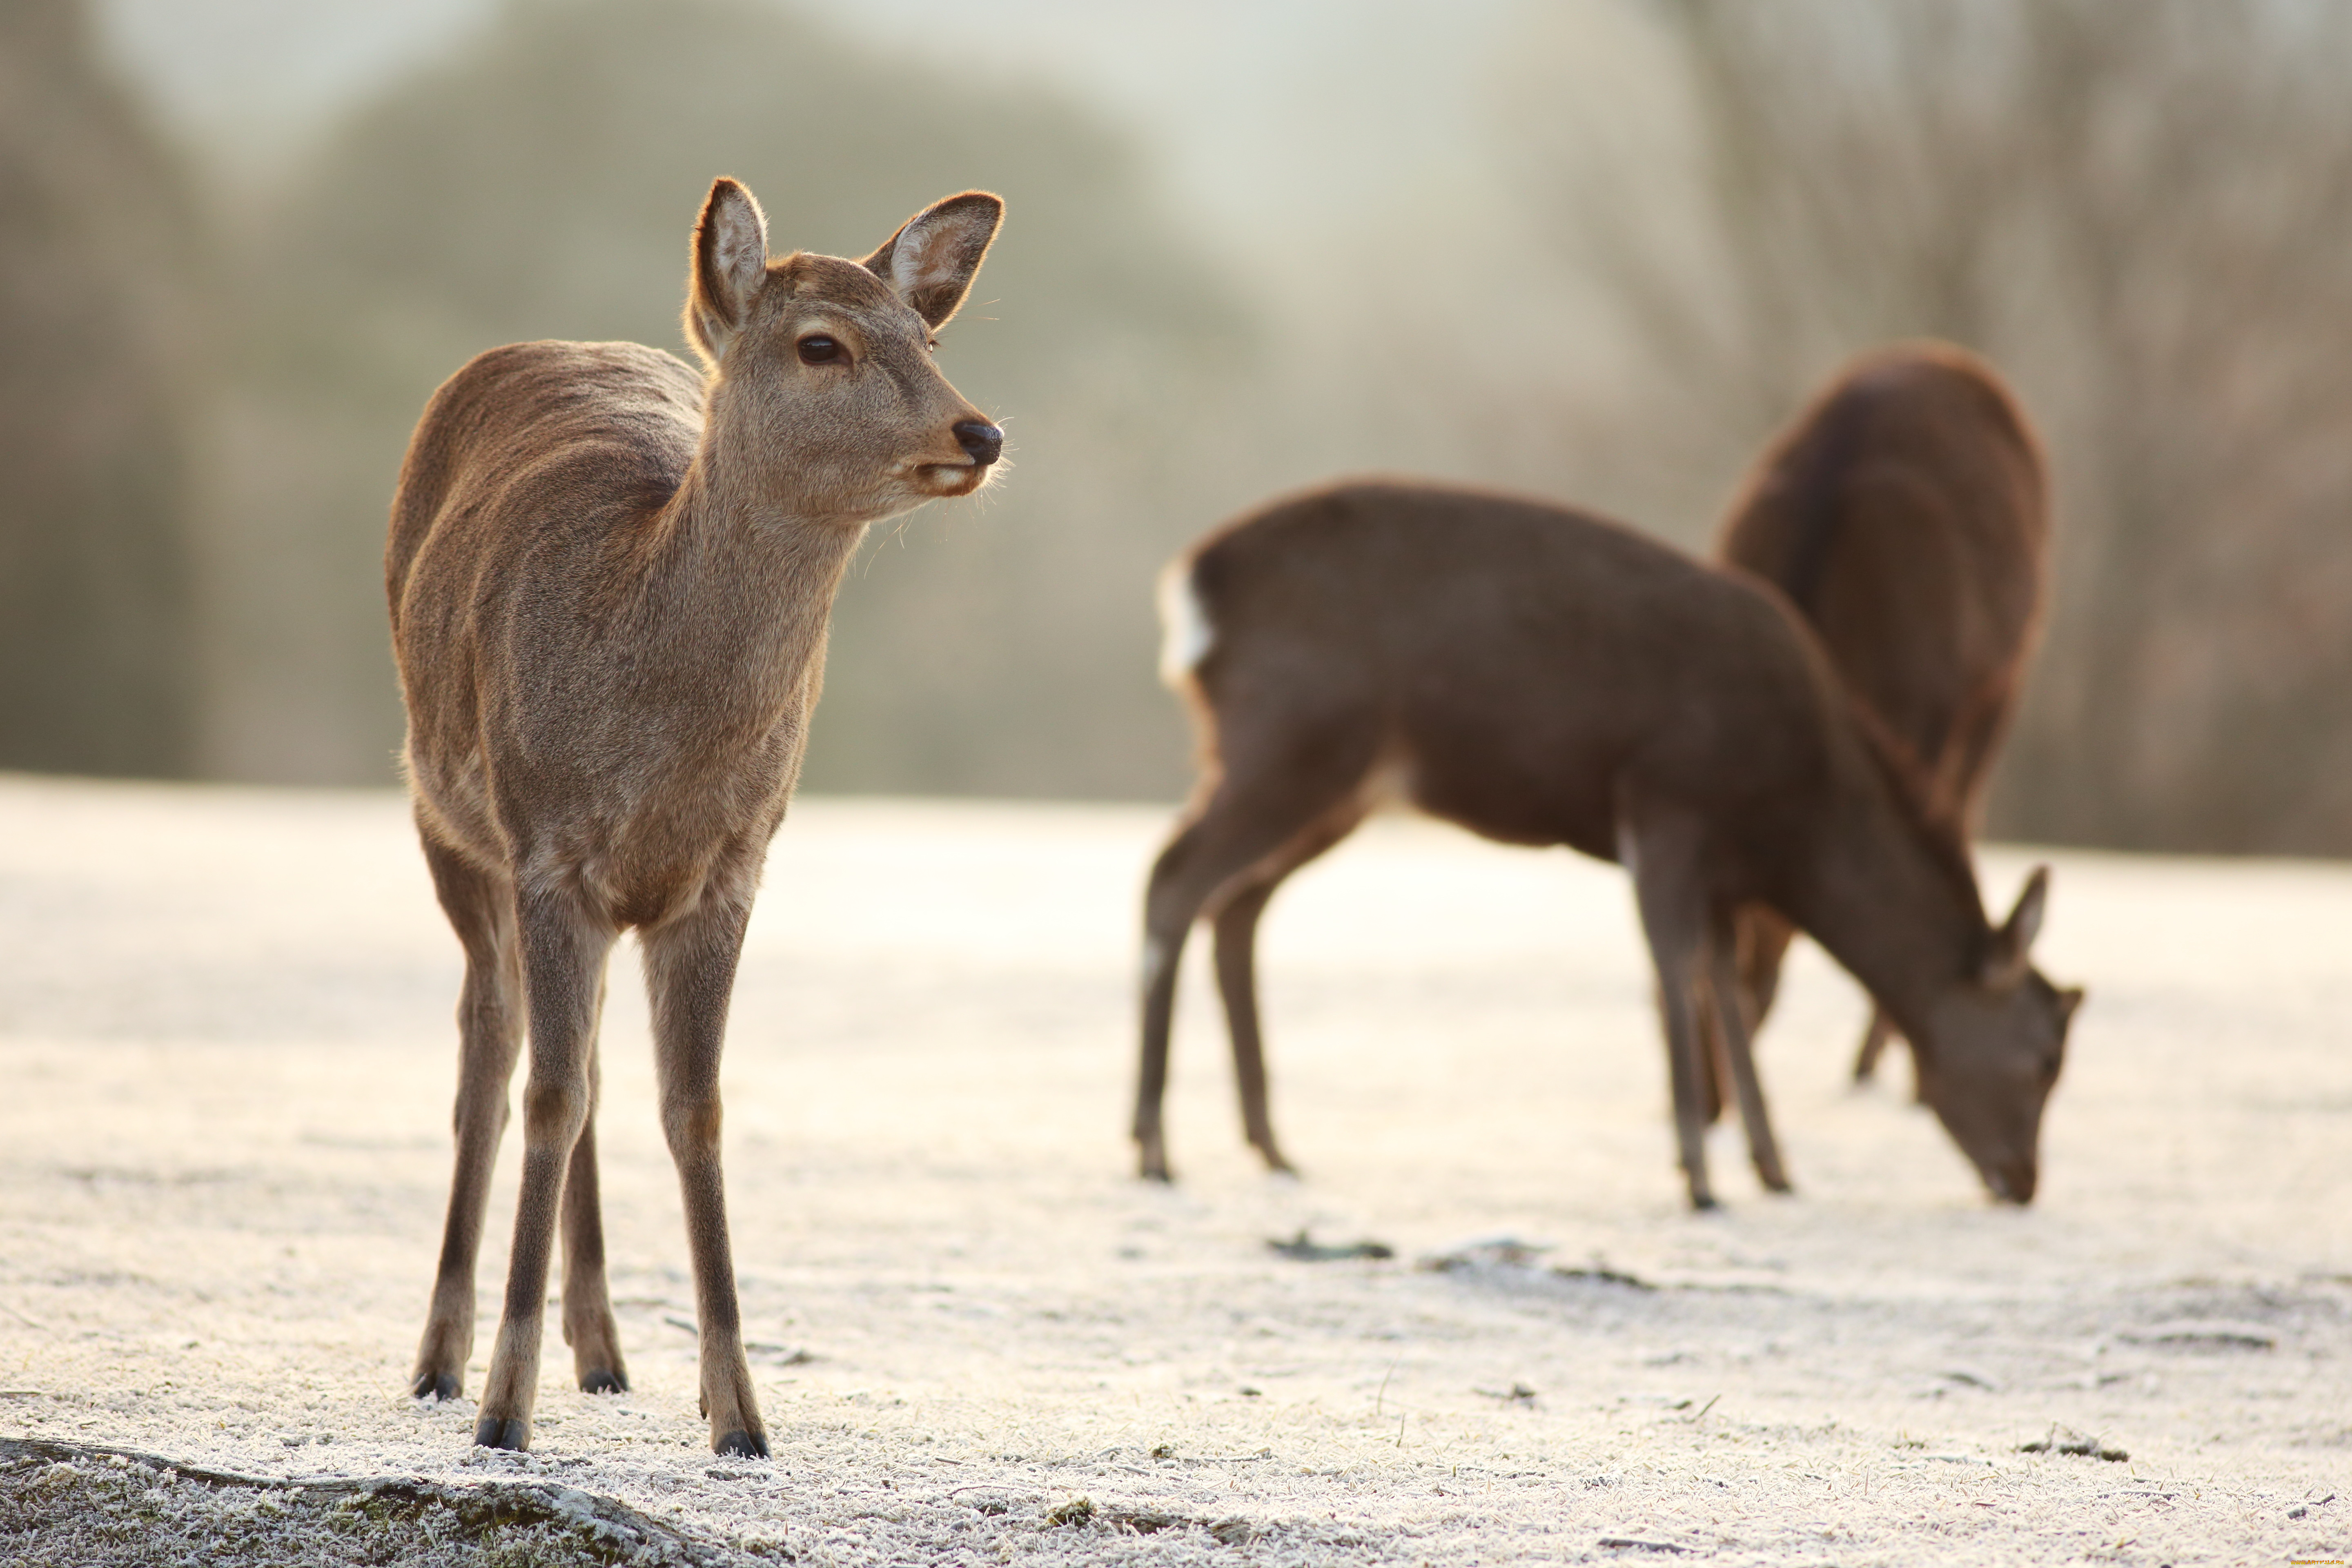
(1664, 854)
(691, 972)
(588, 1326)
(1726, 988)
(480, 907)
(563, 957)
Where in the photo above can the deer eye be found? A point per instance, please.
(818, 349)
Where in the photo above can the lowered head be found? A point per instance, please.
(1995, 1044)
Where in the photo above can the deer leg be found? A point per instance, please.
(1713, 1069)
(691, 972)
(1235, 929)
(1234, 926)
(1663, 854)
(1726, 983)
(1759, 942)
(588, 1326)
(1874, 1044)
(481, 906)
(563, 953)
(1170, 906)
(1250, 835)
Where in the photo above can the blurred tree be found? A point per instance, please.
(542, 184)
(99, 280)
(2143, 213)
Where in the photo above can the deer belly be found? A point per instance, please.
(1512, 803)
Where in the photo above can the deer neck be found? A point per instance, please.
(1888, 901)
(741, 581)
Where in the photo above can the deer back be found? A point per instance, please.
(1905, 514)
(1514, 664)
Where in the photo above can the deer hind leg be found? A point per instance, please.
(1665, 853)
(1728, 989)
(1254, 813)
(480, 907)
(1234, 926)
(563, 954)
(588, 1325)
(690, 973)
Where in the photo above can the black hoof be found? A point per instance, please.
(603, 1380)
(741, 1445)
(1704, 1203)
(436, 1386)
(493, 1433)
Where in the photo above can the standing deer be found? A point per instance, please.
(1541, 676)
(610, 578)
(1905, 516)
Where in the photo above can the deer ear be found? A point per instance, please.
(2011, 950)
(930, 262)
(731, 262)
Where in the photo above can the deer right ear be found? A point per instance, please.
(731, 262)
(2011, 953)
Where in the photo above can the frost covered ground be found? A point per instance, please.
(226, 1058)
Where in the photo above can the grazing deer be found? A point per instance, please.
(1905, 516)
(1541, 676)
(610, 578)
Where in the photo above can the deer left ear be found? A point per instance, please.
(2011, 954)
(930, 262)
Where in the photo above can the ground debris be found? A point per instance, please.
(1300, 1248)
(1600, 1274)
(2201, 1334)
(2066, 1441)
(1499, 1252)
(1518, 1393)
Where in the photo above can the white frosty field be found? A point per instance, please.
(226, 1058)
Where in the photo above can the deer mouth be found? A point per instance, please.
(2010, 1180)
(949, 479)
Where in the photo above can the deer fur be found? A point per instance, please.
(1905, 515)
(1541, 676)
(609, 577)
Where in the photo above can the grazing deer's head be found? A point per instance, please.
(1999, 1043)
(823, 365)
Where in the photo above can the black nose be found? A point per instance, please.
(985, 442)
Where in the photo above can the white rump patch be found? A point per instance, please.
(1185, 634)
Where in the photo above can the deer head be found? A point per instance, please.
(825, 398)
(1995, 1045)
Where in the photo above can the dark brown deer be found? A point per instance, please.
(610, 579)
(1906, 514)
(1541, 676)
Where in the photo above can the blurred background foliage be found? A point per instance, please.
(1599, 249)
(98, 349)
